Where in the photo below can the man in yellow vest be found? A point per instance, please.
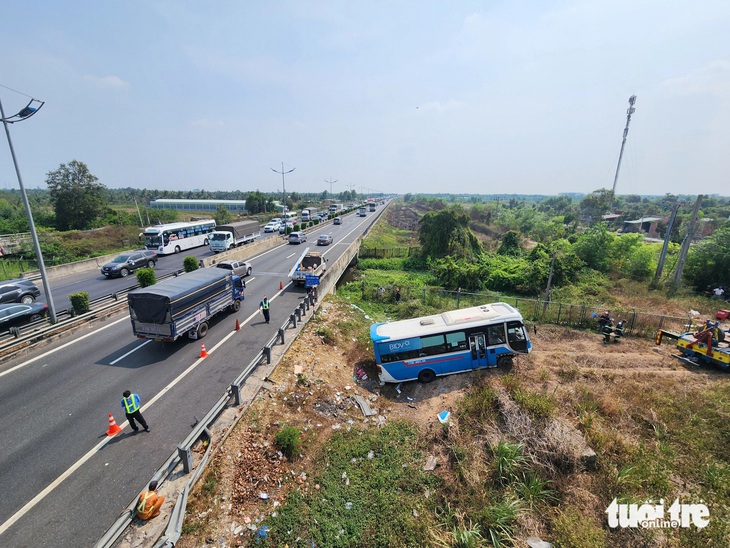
(149, 502)
(264, 308)
(130, 404)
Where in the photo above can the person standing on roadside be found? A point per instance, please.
(397, 294)
(130, 404)
(264, 308)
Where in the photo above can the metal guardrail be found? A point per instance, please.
(183, 454)
(13, 341)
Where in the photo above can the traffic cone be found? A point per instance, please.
(281, 284)
(203, 351)
(113, 427)
(238, 325)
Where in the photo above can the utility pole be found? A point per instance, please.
(629, 112)
(283, 186)
(685, 245)
(330, 183)
(141, 224)
(663, 254)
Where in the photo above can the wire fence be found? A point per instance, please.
(580, 316)
(388, 252)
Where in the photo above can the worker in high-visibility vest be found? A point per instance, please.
(264, 307)
(130, 404)
(149, 502)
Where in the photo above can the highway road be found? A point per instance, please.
(98, 285)
(64, 482)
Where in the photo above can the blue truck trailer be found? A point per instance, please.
(184, 305)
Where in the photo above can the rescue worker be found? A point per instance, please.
(264, 308)
(149, 502)
(604, 320)
(130, 404)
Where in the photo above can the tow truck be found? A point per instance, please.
(697, 348)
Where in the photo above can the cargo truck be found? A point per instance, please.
(184, 305)
(233, 234)
(309, 268)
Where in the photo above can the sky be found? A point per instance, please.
(467, 97)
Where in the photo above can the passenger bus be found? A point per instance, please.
(289, 216)
(175, 237)
(423, 348)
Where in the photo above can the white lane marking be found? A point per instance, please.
(60, 479)
(28, 362)
(290, 256)
(128, 353)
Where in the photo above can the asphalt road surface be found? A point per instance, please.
(64, 482)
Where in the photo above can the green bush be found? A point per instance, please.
(190, 263)
(288, 441)
(79, 302)
(146, 277)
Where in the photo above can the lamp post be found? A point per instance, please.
(29, 110)
(283, 186)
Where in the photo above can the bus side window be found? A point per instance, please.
(495, 334)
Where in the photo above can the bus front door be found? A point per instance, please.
(478, 346)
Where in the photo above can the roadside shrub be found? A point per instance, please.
(146, 277)
(79, 302)
(190, 263)
(288, 441)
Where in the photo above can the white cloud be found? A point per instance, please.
(208, 123)
(442, 107)
(713, 78)
(107, 82)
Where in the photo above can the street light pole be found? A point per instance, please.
(27, 112)
(283, 186)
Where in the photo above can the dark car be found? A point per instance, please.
(324, 239)
(18, 291)
(124, 264)
(12, 315)
(239, 268)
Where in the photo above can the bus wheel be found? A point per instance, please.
(426, 376)
(236, 306)
(202, 330)
(205, 242)
(504, 361)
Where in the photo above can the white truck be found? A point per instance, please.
(233, 234)
(309, 268)
(336, 208)
(306, 215)
(362, 212)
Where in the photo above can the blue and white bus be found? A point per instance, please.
(489, 335)
(175, 237)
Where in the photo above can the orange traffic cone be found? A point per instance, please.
(203, 351)
(238, 325)
(281, 284)
(113, 427)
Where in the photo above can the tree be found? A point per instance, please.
(708, 262)
(511, 244)
(596, 204)
(447, 233)
(77, 198)
(222, 215)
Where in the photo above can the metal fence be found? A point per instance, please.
(581, 316)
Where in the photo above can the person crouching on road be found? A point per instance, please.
(149, 503)
(130, 404)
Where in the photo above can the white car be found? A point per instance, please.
(272, 226)
(284, 226)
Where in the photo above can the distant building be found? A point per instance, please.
(645, 225)
(237, 206)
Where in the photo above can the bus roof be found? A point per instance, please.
(173, 226)
(427, 325)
